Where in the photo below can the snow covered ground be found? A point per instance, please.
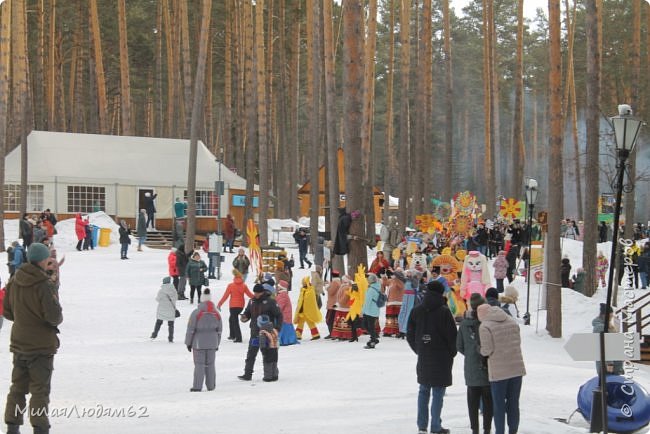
(107, 363)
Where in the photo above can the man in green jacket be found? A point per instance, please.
(32, 303)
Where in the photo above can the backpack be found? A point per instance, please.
(381, 300)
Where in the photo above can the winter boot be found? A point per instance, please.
(245, 377)
(13, 429)
(156, 329)
(298, 333)
(268, 372)
(170, 326)
(41, 430)
(276, 372)
(314, 334)
(370, 345)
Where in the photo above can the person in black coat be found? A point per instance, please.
(150, 208)
(341, 242)
(602, 232)
(181, 264)
(511, 257)
(431, 334)
(125, 239)
(303, 245)
(565, 272)
(261, 304)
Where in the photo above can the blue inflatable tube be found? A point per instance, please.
(628, 404)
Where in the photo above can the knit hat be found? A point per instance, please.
(262, 320)
(476, 300)
(482, 311)
(258, 288)
(435, 286)
(399, 275)
(37, 252)
(167, 279)
(268, 288)
(491, 293)
(206, 295)
(283, 285)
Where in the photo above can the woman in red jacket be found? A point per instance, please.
(80, 229)
(173, 269)
(236, 291)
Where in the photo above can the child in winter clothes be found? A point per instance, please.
(166, 311)
(565, 271)
(509, 301)
(500, 269)
(602, 264)
(268, 341)
(476, 374)
(202, 339)
(287, 332)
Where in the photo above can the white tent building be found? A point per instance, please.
(71, 173)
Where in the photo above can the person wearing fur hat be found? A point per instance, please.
(500, 342)
(235, 291)
(431, 334)
(307, 310)
(166, 298)
(32, 303)
(202, 340)
(370, 310)
(268, 342)
(475, 368)
(500, 269)
(287, 332)
(394, 302)
(509, 301)
(332, 293)
(261, 304)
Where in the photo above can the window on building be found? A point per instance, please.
(206, 202)
(34, 197)
(85, 199)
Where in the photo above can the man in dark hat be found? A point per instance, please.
(431, 334)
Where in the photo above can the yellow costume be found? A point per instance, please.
(449, 268)
(307, 310)
(357, 297)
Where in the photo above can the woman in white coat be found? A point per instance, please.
(166, 298)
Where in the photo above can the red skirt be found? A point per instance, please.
(341, 328)
(392, 326)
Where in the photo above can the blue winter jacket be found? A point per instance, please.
(370, 307)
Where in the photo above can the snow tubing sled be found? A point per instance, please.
(628, 404)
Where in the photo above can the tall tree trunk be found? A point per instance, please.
(125, 86)
(98, 59)
(20, 90)
(389, 165)
(404, 134)
(160, 114)
(555, 176)
(187, 68)
(283, 206)
(251, 112)
(427, 127)
(5, 66)
(261, 123)
(39, 61)
(52, 70)
(497, 144)
(197, 111)
(490, 185)
(313, 76)
(592, 169)
(172, 96)
(294, 87)
(448, 157)
(635, 64)
(518, 151)
(367, 124)
(228, 80)
(330, 126)
(353, 107)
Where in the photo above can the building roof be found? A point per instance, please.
(104, 159)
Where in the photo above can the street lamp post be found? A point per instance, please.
(220, 191)
(531, 198)
(626, 131)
